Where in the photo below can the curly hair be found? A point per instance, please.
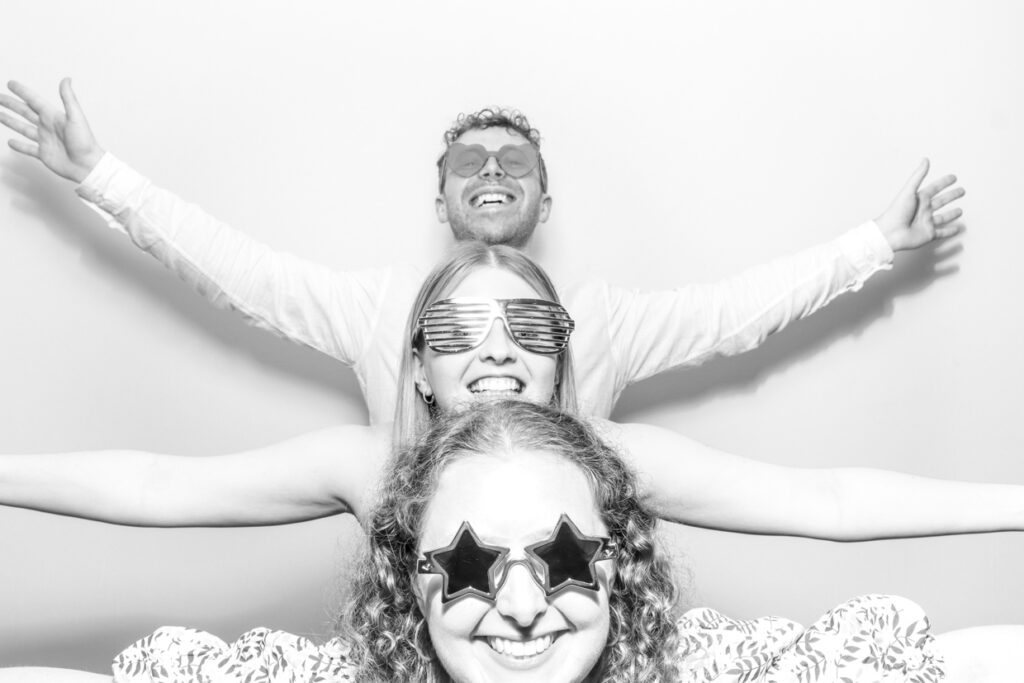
(412, 415)
(511, 120)
(388, 634)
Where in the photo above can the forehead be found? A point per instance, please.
(513, 498)
(491, 138)
(494, 283)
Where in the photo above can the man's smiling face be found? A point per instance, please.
(492, 206)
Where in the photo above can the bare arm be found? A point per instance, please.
(315, 475)
(690, 483)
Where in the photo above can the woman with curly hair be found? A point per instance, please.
(528, 477)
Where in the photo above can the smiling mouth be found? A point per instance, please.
(487, 199)
(503, 386)
(520, 649)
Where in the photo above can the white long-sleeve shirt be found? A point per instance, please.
(622, 335)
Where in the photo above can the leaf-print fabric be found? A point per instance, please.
(870, 639)
(175, 654)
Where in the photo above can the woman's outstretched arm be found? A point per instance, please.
(315, 475)
(687, 482)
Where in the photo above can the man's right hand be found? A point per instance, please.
(62, 140)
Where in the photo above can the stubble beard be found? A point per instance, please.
(514, 231)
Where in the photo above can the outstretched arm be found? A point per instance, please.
(690, 483)
(315, 475)
(329, 311)
(690, 324)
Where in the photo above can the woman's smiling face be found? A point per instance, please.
(514, 499)
(497, 368)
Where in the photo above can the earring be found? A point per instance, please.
(429, 399)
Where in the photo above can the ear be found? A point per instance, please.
(441, 207)
(419, 375)
(545, 209)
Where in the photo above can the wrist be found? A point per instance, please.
(892, 231)
(83, 166)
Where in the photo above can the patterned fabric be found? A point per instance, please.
(174, 654)
(870, 639)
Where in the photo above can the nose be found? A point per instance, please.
(498, 347)
(521, 598)
(492, 169)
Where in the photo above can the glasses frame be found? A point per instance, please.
(500, 568)
(548, 319)
(526, 149)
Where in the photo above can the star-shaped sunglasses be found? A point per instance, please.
(515, 160)
(471, 567)
(463, 323)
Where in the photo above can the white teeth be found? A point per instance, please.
(520, 648)
(490, 198)
(497, 384)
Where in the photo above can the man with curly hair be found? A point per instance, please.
(493, 187)
(503, 217)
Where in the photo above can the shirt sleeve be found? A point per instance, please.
(331, 311)
(655, 331)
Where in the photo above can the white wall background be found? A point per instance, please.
(685, 142)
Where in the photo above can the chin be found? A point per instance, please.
(502, 233)
(473, 399)
(565, 665)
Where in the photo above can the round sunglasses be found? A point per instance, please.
(515, 160)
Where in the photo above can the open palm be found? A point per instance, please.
(912, 219)
(60, 138)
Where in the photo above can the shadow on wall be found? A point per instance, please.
(88, 646)
(83, 647)
(58, 208)
(847, 316)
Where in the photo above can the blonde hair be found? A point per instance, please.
(412, 415)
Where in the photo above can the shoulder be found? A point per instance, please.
(332, 443)
(378, 436)
(626, 436)
(361, 450)
(632, 439)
